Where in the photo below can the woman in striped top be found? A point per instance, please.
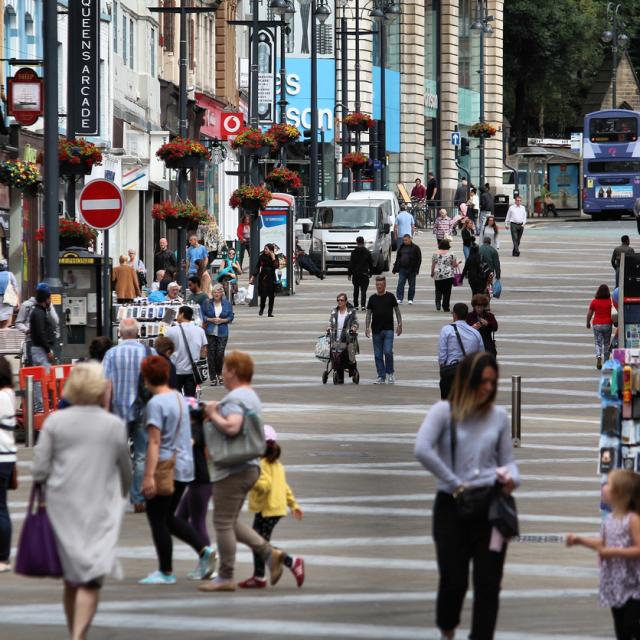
(8, 457)
(442, 225)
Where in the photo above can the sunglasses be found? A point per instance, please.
(341, 299)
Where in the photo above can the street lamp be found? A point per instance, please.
(614, 34)
(320, 12)
(481, 24)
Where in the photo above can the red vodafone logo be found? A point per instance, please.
(231, 124)
(101, 204)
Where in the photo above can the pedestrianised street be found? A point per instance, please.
(348, 453)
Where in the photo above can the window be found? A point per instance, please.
(191, 42)
(131, 43)
(168, 35)
(124, 38)
(614, 166)
(152, 59)
(115, 27)
(613, 130)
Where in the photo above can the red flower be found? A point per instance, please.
(283, 179)
(354, 160)
(249, 193)
(182, 148)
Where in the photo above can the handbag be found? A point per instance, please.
(37, 550)
(457, 278)
(250, 291)
(497, 288)
(200, 368)
(473, 503)
(10, 296)
(164, 473)
(503, 515)
(247, 444)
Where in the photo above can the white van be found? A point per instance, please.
(337, 224)
(381, 195)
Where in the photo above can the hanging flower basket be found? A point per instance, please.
(19, 174)
(183, 153)
(482, 130)
(72, 234)
(179, 215)
(77, 156)
(252, 142)
(250, 198)
(283, 180)
(280, 135)
(358, 121)
(355, 161)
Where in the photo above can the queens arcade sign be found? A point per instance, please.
(83, 118)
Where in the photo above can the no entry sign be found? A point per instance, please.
(101, 204)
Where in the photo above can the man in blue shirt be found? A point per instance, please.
(195, 251)
(405, 225)
(457, 340)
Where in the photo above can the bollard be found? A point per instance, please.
(27, 411)
(516, 403)
(323, 259)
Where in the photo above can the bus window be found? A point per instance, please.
(614, 166)
(613, 130)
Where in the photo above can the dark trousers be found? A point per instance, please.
(193, 508)
(403, 276)
(307, 263)
(626, 620)
(215, 354)
(443, 293)
(187, 385)
(360, 286)
(516, 236)
(458, 543)
(161, 514)
(6, 469)
(263, 300)
(264, 527)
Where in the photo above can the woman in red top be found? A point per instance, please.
(600, 313)
(244, 234)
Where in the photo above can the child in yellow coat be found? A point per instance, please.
(269, 499)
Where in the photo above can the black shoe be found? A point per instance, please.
(437, 307)
(260, 312)
(271, 315)
(446, 310)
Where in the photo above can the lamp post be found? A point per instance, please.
(481, 24)
(615, 35)
(320, 12)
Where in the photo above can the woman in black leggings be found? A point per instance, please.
(169, 435)
(265, 274)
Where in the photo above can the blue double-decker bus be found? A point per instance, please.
(610, 162)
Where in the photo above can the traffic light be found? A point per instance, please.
(464, 146)
(306, 142)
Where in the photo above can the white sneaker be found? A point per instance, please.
(410, 301)
(391, 378)
(399, 301)
(379, 381)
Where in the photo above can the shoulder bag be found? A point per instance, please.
(164, 473)
(200, 367)
(449, 370)
(142, 397)
(37, 550)
(247, 444)
(471, 504)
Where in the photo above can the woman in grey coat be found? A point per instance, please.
(83, 459)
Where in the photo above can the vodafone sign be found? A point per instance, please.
(101, 204)
(231, 124)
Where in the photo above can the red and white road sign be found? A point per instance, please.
(101, 204)
(231, 124)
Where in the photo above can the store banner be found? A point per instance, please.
(273, 230)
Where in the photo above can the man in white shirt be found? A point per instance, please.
(191, 345)
(515, 221)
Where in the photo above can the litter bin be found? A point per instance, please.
(500, 206)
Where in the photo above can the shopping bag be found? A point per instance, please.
(457, 278)
(497, 288)
(37, 550)
(323, 348)
(249, 296)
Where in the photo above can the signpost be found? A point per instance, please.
(25, 96)
(455, 138)
(231, 124)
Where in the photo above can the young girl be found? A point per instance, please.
(269, 499)
(619, 551)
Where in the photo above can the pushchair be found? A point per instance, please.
(339, 356)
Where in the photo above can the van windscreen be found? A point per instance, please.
(347, 218)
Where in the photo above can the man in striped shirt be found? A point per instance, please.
(122, 368)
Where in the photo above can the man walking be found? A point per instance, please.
(486, 204)
(129, 396)
(196, 294)
(405, 225)
(515, 221)
(23, 321)
(164, 259)
(43, 337)
(462, 193)
(196, 251)
(407, 266)
(457, 340)
(125, 282)
(379, 322)
(432, 195)
(360, 268)
(191, 345)
(490, 255)
(617, 253)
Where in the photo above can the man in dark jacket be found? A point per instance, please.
(486, 204)
(407, 266)
(360, 269)
(462, 193)
(43, 337)
(491, 257)
(624, 247)
(164, 259)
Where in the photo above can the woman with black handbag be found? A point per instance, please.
(466, 443)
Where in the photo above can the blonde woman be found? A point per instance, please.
(217, 315)
(83, 459)
(466, 443)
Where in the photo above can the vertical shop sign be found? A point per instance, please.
(83, 117)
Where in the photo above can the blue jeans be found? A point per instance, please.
(403, 276)
(383, 351)
(6, 468)
(139, 459)
(466, 250)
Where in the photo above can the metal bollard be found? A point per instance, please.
(516, 404)
(323, 258)
(27, 411)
